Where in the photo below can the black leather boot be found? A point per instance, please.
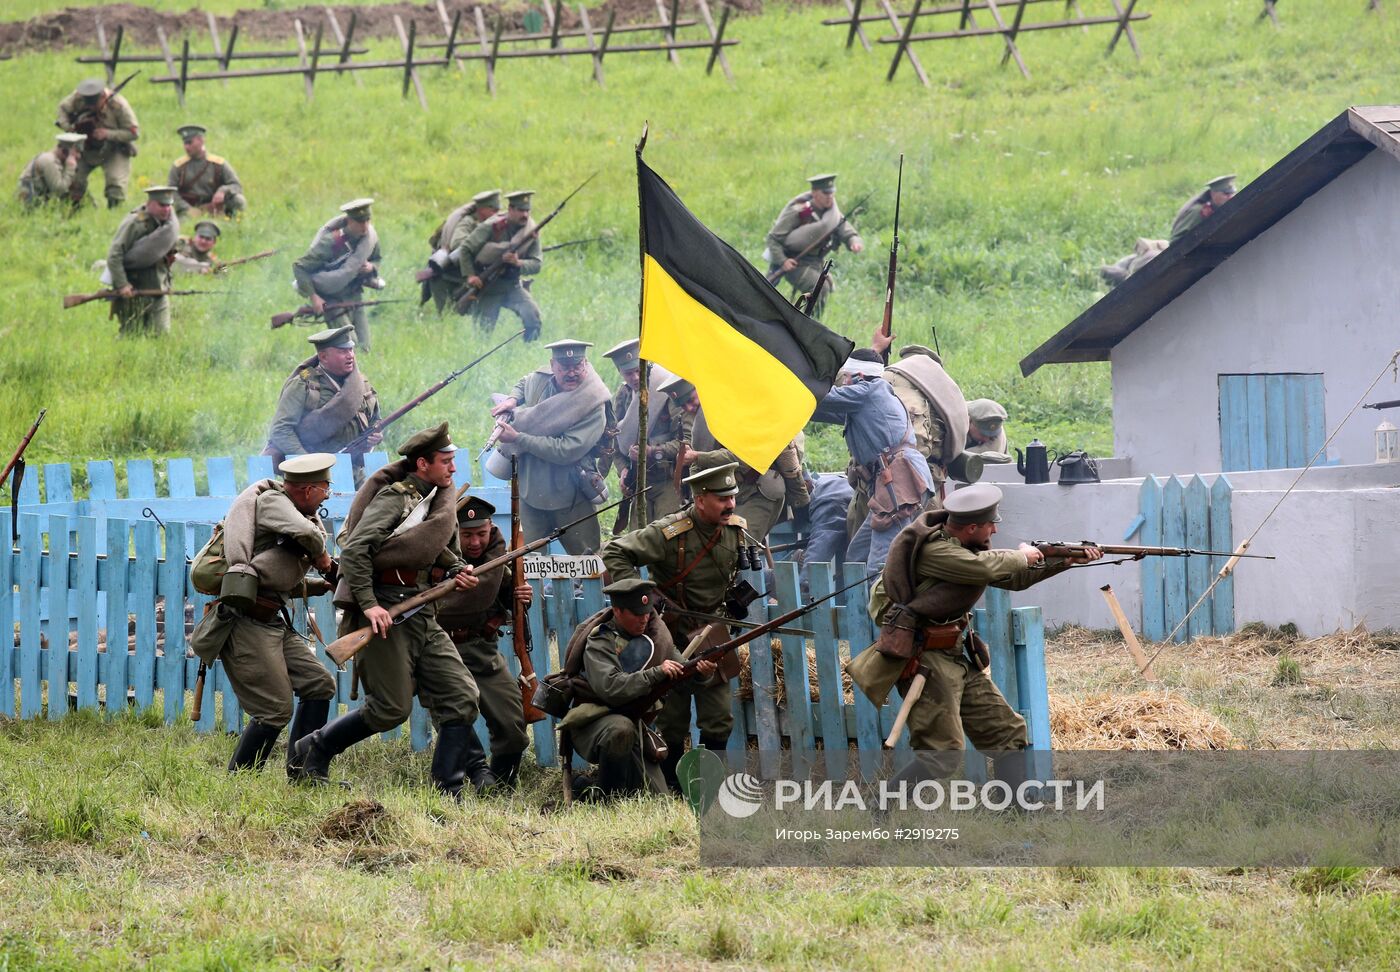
(310, 715)
(450, 757)
(313, 752)
(506, 769)
(715, 744)
(481, 777)
(668, 765)
(253, 746)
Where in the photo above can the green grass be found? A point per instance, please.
(1014, 192)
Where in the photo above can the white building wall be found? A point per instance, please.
(1317, 292)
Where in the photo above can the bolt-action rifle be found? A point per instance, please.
(888, 320)
(221, 267)
(1060, 548)
(1383, 405)
(343, 649)
(333, 309)
(774, 275)
(520, 624)
(468, 293)
(85, 122)
(559, 246)
(17, 464)
(74, 300)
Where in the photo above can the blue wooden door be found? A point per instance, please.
(1270, 421)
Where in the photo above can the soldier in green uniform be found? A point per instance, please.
(763, 495)
(139, 259)
(473, 619)
(626, 357)
(1202, 205)
(49, 175)
(401, 524)
(489, 245)
(628, 654)
(552, 420)
(986, 431)
(110, 125)
(446, 241)
(195, 254)
(343, 260)
(271, 536)
(326, 402)
(810, 218)
(204, 180)
(937, 569)
(693, 556)
(669, 432)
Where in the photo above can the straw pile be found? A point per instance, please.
(780, 685)
(1142, 720)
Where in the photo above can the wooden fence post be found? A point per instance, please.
(717, 52)
(343, 39)
(903, 41)
(170, 64)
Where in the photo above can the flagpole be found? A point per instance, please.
(639, 514)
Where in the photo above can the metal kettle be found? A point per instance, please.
(1034, 463)
(1077, 467)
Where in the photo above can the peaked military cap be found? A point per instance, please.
(188, 132)
(474, 511)
(911, 350)
(720, 480)
(568, 349)
(206, 228)
(635, 594)
(428, 441)
(984, 411)
(490, 198)
(91, 87)
(626, 355)
(164, 194)
(334, 337)
(314, 467)
(71, 138)
(520, 199)
(677, 387)
(1225, 184)
(973, 504)
(358, 209)
(826, 182)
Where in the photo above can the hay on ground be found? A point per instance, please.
(1142, 720)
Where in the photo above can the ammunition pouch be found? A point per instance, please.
(654, 748)
(738, 598)
(898, 634)
(554, 694)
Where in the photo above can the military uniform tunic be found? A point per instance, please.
(783, 481)
(475, 632)
(551, 493)
(188, 259)
(1196, 211)
(674, 427)
(265, 660)
(45, 178)
(453, 232)
(614, 741)
(309, 389)
(417, 654)
(139, 315)
(112, 154)
(667, 547)
(197, 180)
(506, 290)
(328, 250)
(800, 212)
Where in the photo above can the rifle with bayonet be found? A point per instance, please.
(331, 311)
(1064, 549)
(343, 649)
(887, 322)
(221, 267)
(559, 246)
(810, 305)
(74, 300)
(17, 464)
(85, 121)
(468, 293)
(361, 443)
(776, 273)
(1378, 406)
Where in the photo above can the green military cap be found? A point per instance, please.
(826, 183)
(91, 88)
(634, 594)
(164, 194)
(677, 387)
(721, 480)
(912, 350)
(71, 138)
(491, 198)
(314, 467)
(474, 511)
(627, 355)
(520, 199)
(568, 349)
(358, 209)
(335, 337)
(984, 411)
(188, 132)
(206, 228)
(973, 504)
(1225, 184)
(428, 441)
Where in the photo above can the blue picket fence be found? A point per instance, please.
(88, 578)
(1173, 513)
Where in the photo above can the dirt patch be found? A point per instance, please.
(77, 26)
(358, 822)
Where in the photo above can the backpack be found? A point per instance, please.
(209, 565)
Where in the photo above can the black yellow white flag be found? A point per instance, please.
(759, 364)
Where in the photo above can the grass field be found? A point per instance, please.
(1014, 192)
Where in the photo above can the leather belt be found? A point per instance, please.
(266, 608)
(399, 577)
